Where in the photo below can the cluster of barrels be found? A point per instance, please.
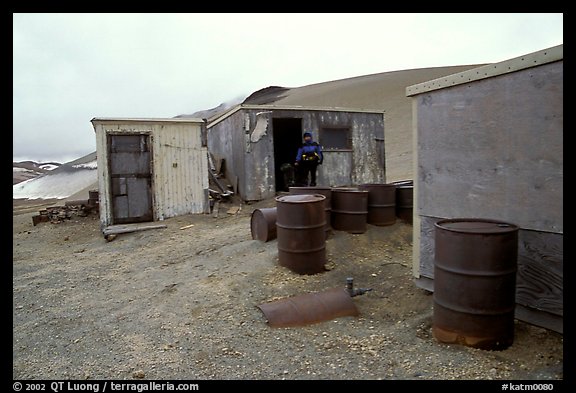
(303, 219)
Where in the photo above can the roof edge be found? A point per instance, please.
(212, 122)
(544, 56)
(145, 120)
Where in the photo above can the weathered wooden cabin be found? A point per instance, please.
(488, 143)
(256, 140)
(150, 169)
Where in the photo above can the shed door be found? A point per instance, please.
(130, 177)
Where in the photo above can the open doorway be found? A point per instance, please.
(287, 134)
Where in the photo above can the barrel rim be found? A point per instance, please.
(508, 228)
(313, 188)
(383, 185)
(321, 198)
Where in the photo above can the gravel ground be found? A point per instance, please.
(182, 304)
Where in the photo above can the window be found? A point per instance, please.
(336, 138)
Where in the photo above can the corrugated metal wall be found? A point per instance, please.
(179, 165)
(226, 140)
(180, 170)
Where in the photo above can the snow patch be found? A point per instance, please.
(16, 169)
(57, 185)
(49, 167)
(87, 165)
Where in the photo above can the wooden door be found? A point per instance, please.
(131, 178)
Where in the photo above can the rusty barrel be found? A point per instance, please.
(326, 191)
(300, 223)
(381, 203)
(349, 209)
(263, 224)
(475, 265)
(404, 200)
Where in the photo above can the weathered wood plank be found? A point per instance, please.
(116, 229)
(540, 271)
(539, 318)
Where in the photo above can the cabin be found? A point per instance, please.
(150, 169)
(255, 141)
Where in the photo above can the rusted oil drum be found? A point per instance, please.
(263, 224)
(475, 265)
(405, 202)
(349, 210)
(381, 203)
(300, 223)
(309, 308)
(326, 191)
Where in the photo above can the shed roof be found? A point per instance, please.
(529, 60)
(144, 120)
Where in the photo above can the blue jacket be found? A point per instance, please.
(310, 150)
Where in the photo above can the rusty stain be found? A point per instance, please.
(309, 308)
(475, 282)
(263, 224)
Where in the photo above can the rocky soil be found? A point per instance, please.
(178, 303)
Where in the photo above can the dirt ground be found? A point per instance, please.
(182, 304)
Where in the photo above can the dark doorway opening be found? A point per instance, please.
(287, 134)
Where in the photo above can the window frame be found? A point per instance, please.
(346, 129)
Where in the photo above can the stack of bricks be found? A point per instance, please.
(57, 214)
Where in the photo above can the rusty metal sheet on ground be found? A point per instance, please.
(309, 308)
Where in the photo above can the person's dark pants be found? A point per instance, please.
(307, 169)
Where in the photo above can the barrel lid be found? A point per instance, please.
(349, 189)
(476, 225)
(303, 198)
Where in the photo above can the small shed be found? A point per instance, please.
(150, 169)
(256, 140)
(488, 144)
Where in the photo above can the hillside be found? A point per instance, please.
(381, 92)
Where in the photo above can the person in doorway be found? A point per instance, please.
(307, 160)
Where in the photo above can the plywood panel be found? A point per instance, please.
(494, 149)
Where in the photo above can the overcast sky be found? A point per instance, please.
(69, 68)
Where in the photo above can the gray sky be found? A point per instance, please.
(69, 68)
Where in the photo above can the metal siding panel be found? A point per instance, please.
(121, 209)
(336, 169)
(494, 149)
(135, 163)
(259, 163)
(138, 197)
(226, 140)
(368, 152)
(180, 188)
